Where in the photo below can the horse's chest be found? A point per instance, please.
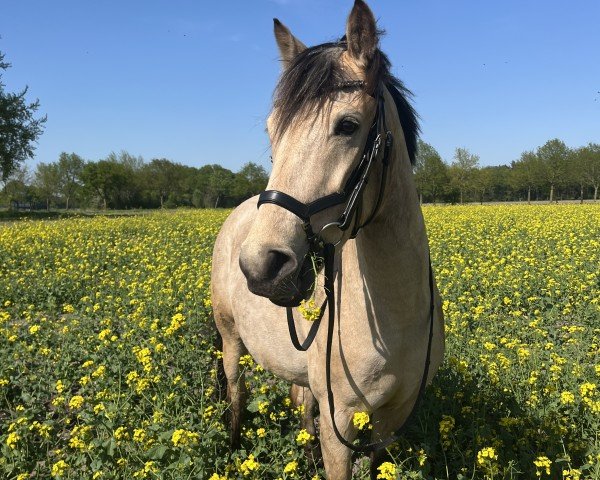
(366, 364)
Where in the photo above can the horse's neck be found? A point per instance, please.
(391, 254)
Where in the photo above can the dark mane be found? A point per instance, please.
(314, 77)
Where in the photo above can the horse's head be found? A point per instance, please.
(324, 110)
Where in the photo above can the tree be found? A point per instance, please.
(577, 162)
(131, 167)
(501, 189)
(130, 161)
(220, 183)
(527, 172)
(187, 184)
(213, 187)
(70, 167)
(19, 130)
(431, 173)
(104, 178)
(465, 163)
(163, 177)
(553, 156)
(46, 180)
(249, 181)
(587, 167)
(16, 191)
(483, 181)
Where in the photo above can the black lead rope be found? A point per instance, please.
(312, 333)
(370, 447)
(329, 257)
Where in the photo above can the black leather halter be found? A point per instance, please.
(351, 194)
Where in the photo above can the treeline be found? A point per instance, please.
(123, 181)
(552, 172)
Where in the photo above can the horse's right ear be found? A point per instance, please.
(289, 46)
(361, 33)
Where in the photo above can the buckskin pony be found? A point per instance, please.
(340, 211)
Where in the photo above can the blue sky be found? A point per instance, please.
(192, 80)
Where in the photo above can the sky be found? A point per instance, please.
(192, 81)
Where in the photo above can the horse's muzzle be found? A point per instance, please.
(277, 276)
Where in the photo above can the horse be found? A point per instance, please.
(341, 209)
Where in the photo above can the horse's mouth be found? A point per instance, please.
(291, 290)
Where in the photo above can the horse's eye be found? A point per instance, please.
(346, 127)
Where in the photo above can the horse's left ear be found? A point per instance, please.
(361, 34)
(289, 46)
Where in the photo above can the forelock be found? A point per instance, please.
(314, 77)
(308, 83)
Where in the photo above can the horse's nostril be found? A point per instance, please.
(278, 264)
(265, 268)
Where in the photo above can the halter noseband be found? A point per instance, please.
(353, 189)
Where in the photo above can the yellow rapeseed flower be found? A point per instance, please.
(246, 360)
(249, 465)
(309, 310)
(139, 435)
(182, 437)
(59, 468)
(486, 456)
(263, 407)
(587, 389)
(387, 471)
(149, 467)
(216, 476)
(360, 420)
(76, 402)
(291, 467)
(304, 437)
(567, 398)
(60, 387)
(542, 464)
(121, 433)
(12, 439)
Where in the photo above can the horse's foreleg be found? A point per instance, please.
(382, 430)
(337, 458)
(237, 393)
(302, 396)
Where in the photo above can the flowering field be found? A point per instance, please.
(108, 369)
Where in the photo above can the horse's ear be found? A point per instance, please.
(289, 46)
(361, 33)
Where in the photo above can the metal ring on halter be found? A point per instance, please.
(328, 225)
